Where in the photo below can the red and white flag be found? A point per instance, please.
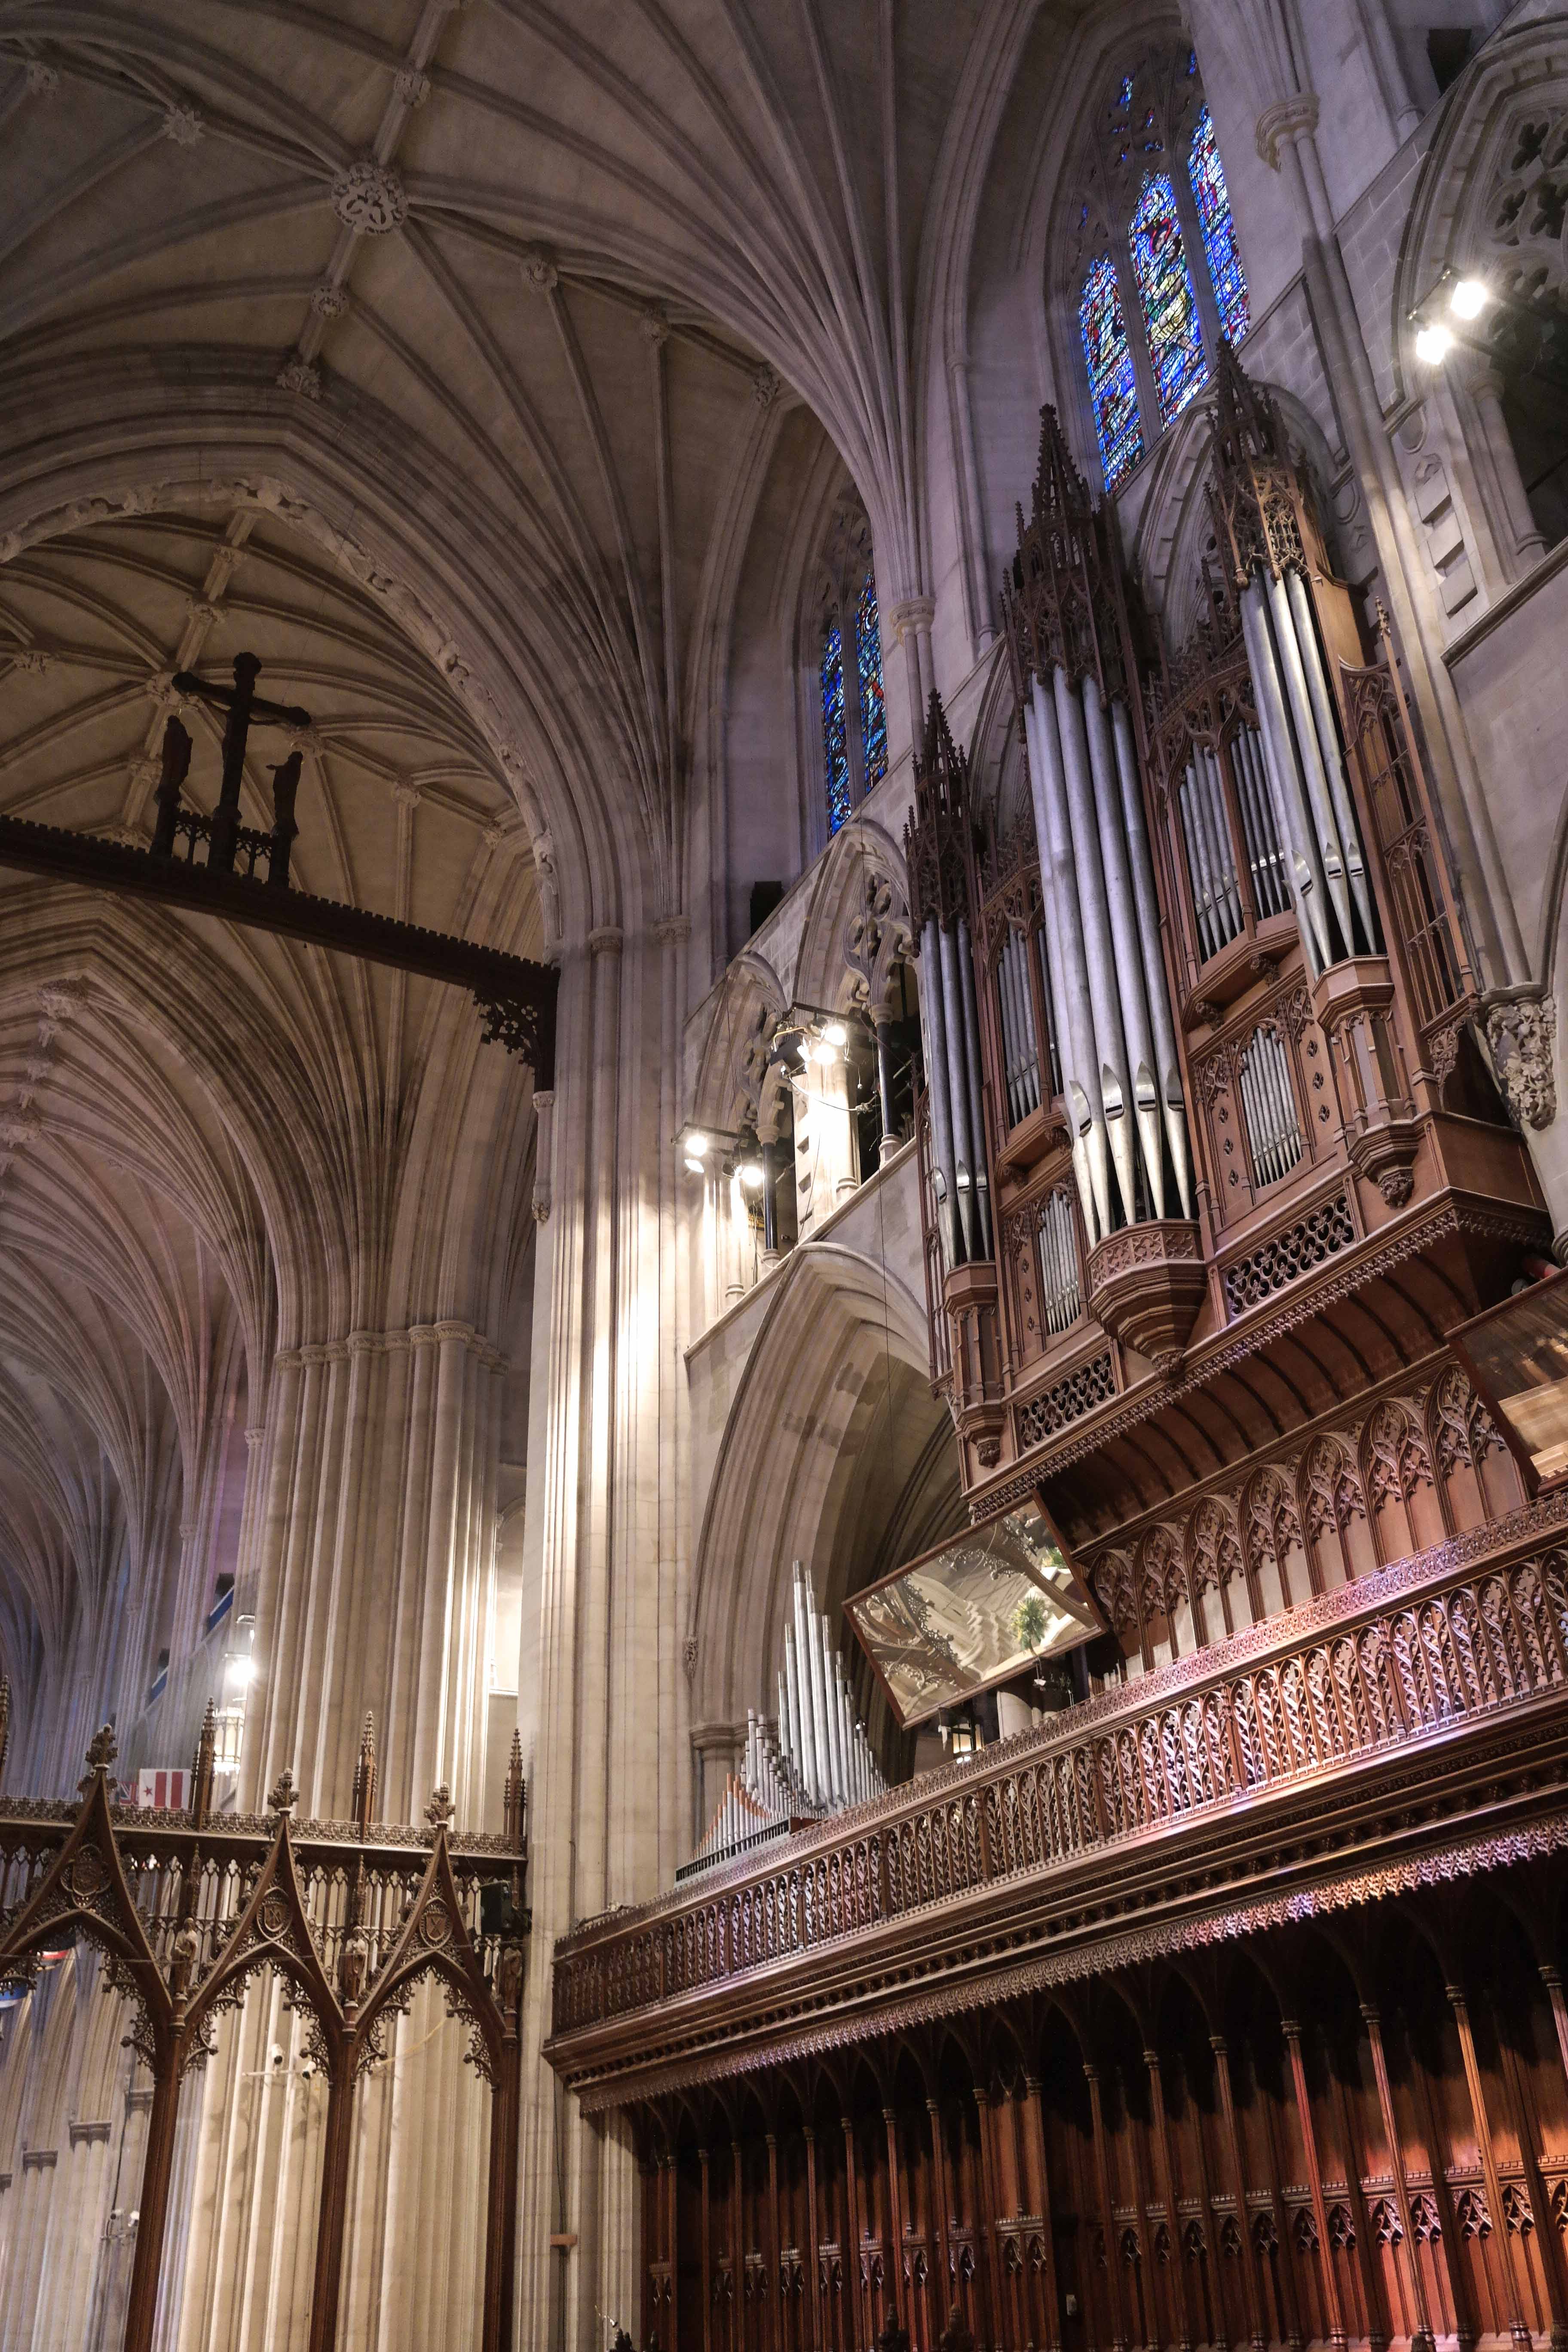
(163, 1791)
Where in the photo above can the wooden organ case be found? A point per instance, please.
(1225, 2005)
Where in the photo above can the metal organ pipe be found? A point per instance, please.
(1110, 1049)
(1329, 744)
(958, 1094)
(1069, 976)
(1309, 757)
(1127, 969)
(1146, 901)
(1279, 765)
(973, 1067)
(932, 1014)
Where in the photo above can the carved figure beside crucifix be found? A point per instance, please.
(223, 833)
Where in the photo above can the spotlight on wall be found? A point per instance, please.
(1469, 298)
(240, 1669)
(825, 1052)
(749, 1164)
(836, 1035)
(694, 1151)
(1432, 345)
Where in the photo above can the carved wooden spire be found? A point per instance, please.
(1256, 490)
(515, 1798)
(203, 1768)
(936, 834)
(5, 1723)
(365, 1779)
(1063, 604)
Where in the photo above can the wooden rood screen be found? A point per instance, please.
(185, 1907)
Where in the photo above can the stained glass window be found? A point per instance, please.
(869, 663)
(1113, 388)
(835, 739)
(1219, 230)
(1124, 95)
(1165, 288)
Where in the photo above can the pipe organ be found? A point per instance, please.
(1222, 999)
(1226, 2006)
(814, 1762)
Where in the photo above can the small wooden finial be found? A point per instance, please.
(516, 1799)
(285, 1794)
(5, 1723)
(205, 1767)
(365, 1779)
(440, 1809)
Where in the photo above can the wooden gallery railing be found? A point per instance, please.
(1351, 1731)
(186, 1907)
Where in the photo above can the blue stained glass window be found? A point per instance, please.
(1124, 95)
(835, 739)
(1113, 388)
(1165, 288)
(1219, 230)
(869, 663)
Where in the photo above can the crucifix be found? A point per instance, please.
(515, 997)
(244, 708)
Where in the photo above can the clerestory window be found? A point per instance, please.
(1156, 271)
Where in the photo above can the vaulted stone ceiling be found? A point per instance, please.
(446, 357)
(552, 274)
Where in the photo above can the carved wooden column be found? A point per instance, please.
(1372, 2280)
(986, 2216)
(775, 2291)
(1168, 2196)
(1548, 2236)
(895, 2250)
(332, 2202)
(811, 2294)
(1422, 2338)
(673, 2241)
(860, 2332)
(157, 2164)
(736, 2245)
(943, 2200)
(705, 2276)
(1257, 2334)
(1107, 2213)
(1518, 2326)
(1332, 2303)
(1553, 1983)
(1051, 2334)
(1286, 2283)
(1467, 2326)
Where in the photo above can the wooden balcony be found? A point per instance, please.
(1409, 1726)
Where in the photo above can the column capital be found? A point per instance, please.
(605, 939)
(672, 931)
(1286, 120)
(911, 613)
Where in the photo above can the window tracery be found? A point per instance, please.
(849, 675)
(1152, 268)
(1170, 309)
(1112, 384)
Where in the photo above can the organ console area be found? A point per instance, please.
(1223, 2005)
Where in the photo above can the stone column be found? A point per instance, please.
(608, 1524)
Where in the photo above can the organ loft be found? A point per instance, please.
(783, 1381)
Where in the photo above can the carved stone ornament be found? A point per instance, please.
(43, 80)
(330, 301)
(1522, 1037)
(369, 198)
(299, 376)
(183, 125)
(1284, 120)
